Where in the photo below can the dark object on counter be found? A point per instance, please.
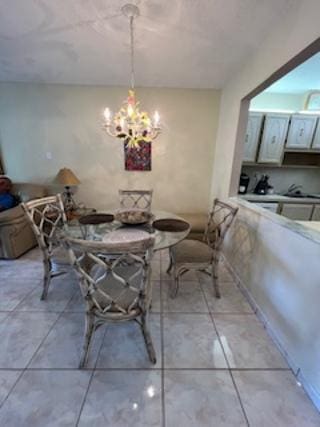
(262, 185)
(244, 183)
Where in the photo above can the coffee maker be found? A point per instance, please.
(244, 183)
(262, 186)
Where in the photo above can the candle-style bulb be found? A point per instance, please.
(156, 119)
(107, 114)
(130, 110)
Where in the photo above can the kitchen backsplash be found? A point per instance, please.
(282, 178)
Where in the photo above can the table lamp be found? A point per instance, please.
(67, 178)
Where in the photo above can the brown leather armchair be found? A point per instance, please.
(16, 235)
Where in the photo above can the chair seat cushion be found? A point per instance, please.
(190, 251)
(60, 256)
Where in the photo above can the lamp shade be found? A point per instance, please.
(66, 178)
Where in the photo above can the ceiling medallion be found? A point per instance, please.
(129, 123)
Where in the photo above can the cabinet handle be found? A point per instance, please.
(273, 140)
(301, 132)
(247, 138)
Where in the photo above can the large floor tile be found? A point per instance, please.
(190, 341)
(7, 381)
(19, 269)
(45, 398)
(156, 296)
(76, 303)
(62, 348)
(124, 346)
(61, 290)
(201, 399)
(231, 301)
(223, 276)
(190, 298)
(155, 269)
(122, 399)
(20, 336)
(246, 342)
(190, 275)
(14, 290)
(273, 398)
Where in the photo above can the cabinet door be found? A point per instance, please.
(316, 139)
(298, 212)
(301, 131)
(252, 137)
(273, 138)
(316, 213)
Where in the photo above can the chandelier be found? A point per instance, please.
(131, 124)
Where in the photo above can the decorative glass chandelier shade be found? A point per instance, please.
(129, 123)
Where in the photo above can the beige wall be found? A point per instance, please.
(66, 121)
(297, 30)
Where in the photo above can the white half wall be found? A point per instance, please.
(299, 29)
(277, 262)
(63, 122)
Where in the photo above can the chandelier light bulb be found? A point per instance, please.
(156, 119)
(130, 110)
(107, 114)
(121, 123)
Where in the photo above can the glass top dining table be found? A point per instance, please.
(99, 232)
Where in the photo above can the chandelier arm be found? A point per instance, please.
(110, 131)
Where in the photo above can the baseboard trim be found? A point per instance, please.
(313, 394)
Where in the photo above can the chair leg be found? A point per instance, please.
(148, 339)
(174, 284)
(214, 273)
(88, 334)
(170, 262)
(46, 278)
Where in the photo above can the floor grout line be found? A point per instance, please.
(163, 405)
(91, 377)
(228, 365)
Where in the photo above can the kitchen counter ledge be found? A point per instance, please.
(295, 226)
(278, 198)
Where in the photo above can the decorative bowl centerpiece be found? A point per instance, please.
(133, 216)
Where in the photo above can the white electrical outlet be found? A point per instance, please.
(49, 155)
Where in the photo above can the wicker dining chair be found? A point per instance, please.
(114, 279)
(203, 256)
(45, 216)
(136, 199)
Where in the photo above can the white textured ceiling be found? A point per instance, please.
(304, 78)
(179, 43)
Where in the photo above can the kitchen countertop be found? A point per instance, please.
(314, 225)
(276, 198)
(304, 228)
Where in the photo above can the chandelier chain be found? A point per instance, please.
(132, 51)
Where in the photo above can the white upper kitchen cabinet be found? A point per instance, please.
(301, 131)
(273, 138)
(252, 137)
(316, 139)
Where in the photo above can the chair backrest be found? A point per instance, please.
(140, 199)
(45, 216)
(219, 220)
(114, 276)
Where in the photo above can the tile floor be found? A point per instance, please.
(216, 364)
